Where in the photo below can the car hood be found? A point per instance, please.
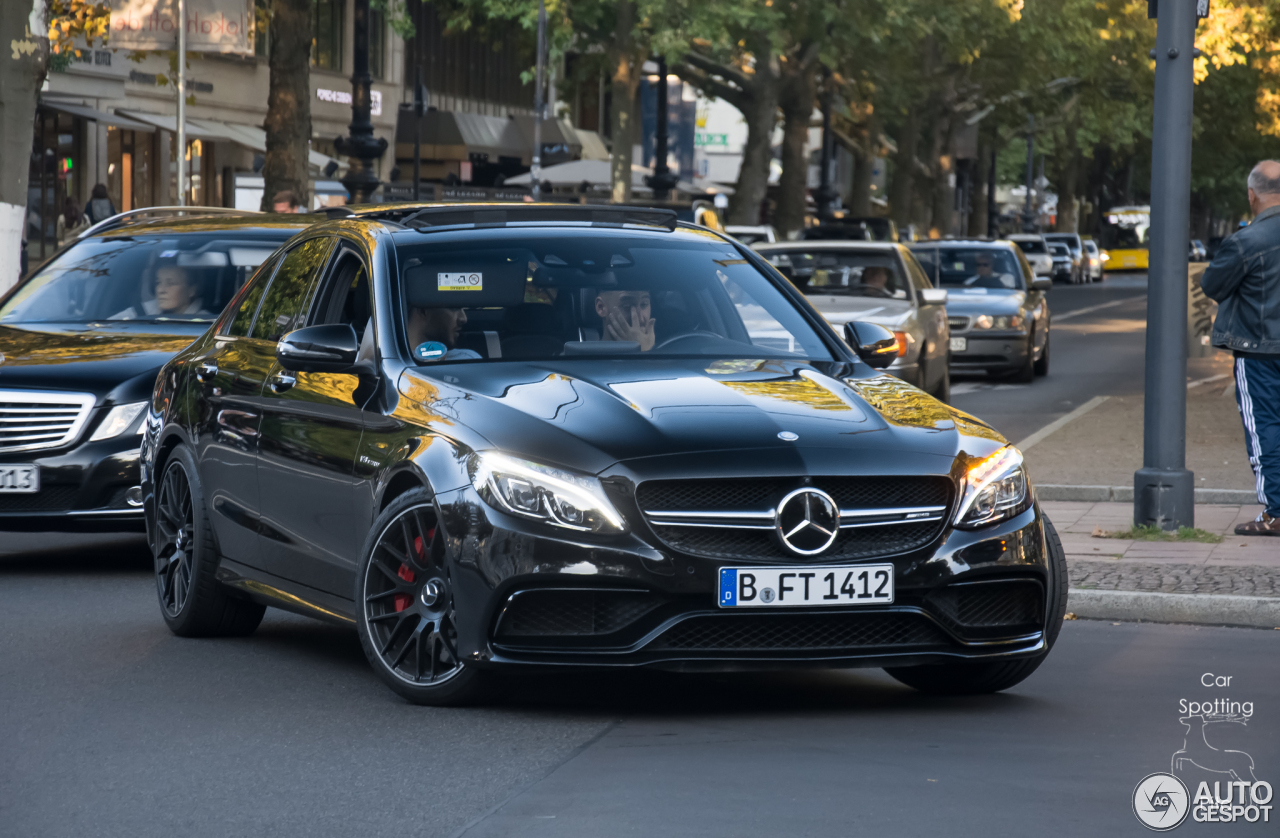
(88, 358)
(962, 300)
(686, 415)
(838, 309)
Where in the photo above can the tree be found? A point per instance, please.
(288, 122)
(26, 59)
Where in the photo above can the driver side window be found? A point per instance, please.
(284, 308)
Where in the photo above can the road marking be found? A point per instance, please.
(1191, 384)
(1077, 311)
(1058, 424)
(978, 386)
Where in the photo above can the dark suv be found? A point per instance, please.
(534, 436)
(81, 341)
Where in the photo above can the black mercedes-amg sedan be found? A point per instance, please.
(537, 436)
(81, 341)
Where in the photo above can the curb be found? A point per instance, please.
(1124, 494)
(1200, 609)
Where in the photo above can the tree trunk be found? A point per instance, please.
(978, 191)
(288, 122)
(902, 191)
(24, 36)
(626, 79)
(864, 166)
(797, 115)
(1068, 220)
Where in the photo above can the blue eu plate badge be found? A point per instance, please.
(728, 586)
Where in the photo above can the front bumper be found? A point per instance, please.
(528, 599)
(991, 352)
(85, 488)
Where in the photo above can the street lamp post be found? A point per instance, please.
(1163, 489)
(535, 169)
(1028, 214)
(360, 146)
(663, 180)
(826, 196)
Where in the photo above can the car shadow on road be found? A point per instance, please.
(41, 553)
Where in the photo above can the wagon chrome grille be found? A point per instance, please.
(31, 420)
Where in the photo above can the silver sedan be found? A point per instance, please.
(876, 282)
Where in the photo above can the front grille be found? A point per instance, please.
(574, 613)
(958, 324)
(800, 633)
(31, 420)
(761, 495)
(992, 604)
(48, 499)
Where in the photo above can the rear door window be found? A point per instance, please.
(284, 308)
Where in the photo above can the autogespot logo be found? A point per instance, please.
(1160, 802)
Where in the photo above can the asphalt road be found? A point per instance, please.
(1097, 346)
(110, 726)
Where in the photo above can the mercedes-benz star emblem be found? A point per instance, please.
(807, 521)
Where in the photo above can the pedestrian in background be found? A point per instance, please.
(70, 220)
(285, 201)
(1244, 279)
(100, 207)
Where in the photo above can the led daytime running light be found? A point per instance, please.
(552, 488)
(1005, 464)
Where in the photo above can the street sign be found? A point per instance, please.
(212, 25)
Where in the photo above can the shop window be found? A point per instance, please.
(326, 46)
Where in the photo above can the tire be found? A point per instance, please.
(943, 391)
(1042, 365)
(192, 601)
(1026, 373)
(993, 676)
(406, 612)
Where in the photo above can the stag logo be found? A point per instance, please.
(1196, 752)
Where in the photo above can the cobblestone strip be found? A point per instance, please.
(1243, 580)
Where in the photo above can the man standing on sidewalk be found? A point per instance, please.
(1244, 279)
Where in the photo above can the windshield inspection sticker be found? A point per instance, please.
(468, 281)
(430, 351)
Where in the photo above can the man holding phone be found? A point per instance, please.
(625, 316)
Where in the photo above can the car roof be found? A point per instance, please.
(1026, 237)
(999, 244)
(826, 244)
(259, 223)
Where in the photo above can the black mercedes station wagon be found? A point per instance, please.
(571, 436)
(81, 341)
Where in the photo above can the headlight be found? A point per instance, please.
(988, 321)
(118, 420)
(994, 489)
(530, 490)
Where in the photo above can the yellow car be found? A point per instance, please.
(1125, 259)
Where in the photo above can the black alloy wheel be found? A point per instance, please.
(1025, 372)
(1042, 363)
(406, 616)
(193, 602)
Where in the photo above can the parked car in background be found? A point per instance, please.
(1076, 245)
(875, 282)
(996, 306)
(81, 341)
(881, 228)
(750, 234)
(1197, 252)
(1063, 269)
(1093, 265)
(1036, 249)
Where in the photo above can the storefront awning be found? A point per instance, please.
(450, 135)
(210, 130)
(170, 124)
(86, 112)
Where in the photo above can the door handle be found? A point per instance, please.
(281, 382)
(206, 370)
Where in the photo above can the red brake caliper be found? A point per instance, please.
(406, 573)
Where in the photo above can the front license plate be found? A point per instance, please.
(745, 587)
(959, 344)
(19, 480)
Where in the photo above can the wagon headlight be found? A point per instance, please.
(994, 489)
(991, 321)
(118, 420)
(543, 493)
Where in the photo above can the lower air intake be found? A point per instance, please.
(800, 633)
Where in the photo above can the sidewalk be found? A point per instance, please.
(1235, 582)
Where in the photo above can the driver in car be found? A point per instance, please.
(875, 277)
(986, 276)
(625, 315)
(175, 295)
(441, 325)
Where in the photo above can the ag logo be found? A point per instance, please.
(1161, 802)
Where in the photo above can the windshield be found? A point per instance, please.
(973, 267)
(579, 293)
(1071, 241)
(1060, 250)
(1033, 246)
(846, 272)
(188, 276)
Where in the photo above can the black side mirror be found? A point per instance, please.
(875, 345)
(329, 348)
